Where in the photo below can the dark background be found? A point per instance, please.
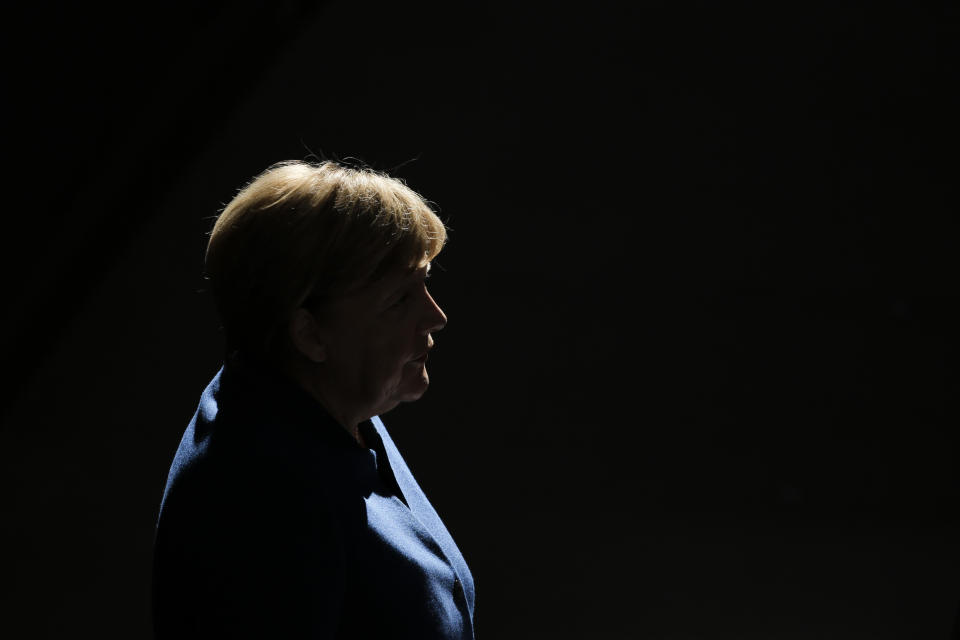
(700, 374)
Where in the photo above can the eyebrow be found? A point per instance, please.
(411, 277)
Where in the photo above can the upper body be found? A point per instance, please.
(276, 523)
(288, 510)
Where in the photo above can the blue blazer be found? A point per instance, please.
(276, 523)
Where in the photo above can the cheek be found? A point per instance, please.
(387, 366)
(406, 375)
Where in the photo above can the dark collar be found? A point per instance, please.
(261, 386)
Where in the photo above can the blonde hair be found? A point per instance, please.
(302, 233)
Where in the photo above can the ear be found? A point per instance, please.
(305, 336)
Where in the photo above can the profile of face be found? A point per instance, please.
(370, 347)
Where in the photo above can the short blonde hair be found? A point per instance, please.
(302, 233)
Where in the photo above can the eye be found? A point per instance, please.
(400, 301)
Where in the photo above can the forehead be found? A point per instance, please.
(402, 275)
(389, 282)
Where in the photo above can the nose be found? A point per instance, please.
(434, 319)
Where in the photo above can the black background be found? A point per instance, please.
(700, 374)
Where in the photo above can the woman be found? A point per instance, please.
(288, 511)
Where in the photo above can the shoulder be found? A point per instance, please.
(257, 447)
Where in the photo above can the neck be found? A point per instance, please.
(308, 380)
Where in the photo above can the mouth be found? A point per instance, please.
(420, 360)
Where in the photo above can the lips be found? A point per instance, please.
(421, 359)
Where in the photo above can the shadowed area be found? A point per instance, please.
(699, 377)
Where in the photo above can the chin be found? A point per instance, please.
(415, 386)
(411, 395)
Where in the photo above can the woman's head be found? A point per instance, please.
(303, 234)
